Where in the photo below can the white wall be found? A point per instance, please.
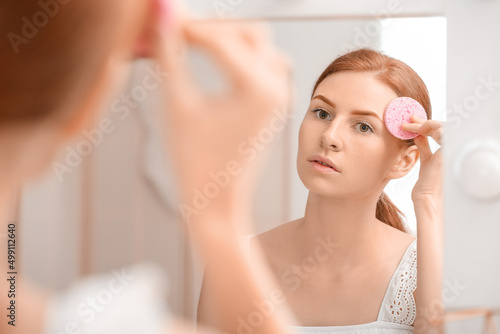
(472, 249)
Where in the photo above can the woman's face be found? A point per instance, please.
(344, 123)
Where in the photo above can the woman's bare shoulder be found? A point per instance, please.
(279, 232)
(278, 238)
(394, 236)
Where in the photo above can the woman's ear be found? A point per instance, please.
(404, 164)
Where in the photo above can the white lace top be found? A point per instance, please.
(398, 310)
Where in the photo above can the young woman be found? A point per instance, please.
(348, 265)
(62, 59)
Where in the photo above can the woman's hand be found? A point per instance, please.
(213, 140)
(427, 196)
(215, 147)
(429, 184)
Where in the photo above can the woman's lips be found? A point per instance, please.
(325, 161)
(322, 168)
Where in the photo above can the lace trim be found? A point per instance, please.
(399, 304)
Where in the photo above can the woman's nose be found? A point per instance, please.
(331, 138)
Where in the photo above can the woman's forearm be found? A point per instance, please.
(430, 309)
(246, 296)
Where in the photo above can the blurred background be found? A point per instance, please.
(109, 198)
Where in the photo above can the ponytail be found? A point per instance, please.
(389, 213)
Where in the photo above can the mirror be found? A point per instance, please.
(312, 45)
(126, 196)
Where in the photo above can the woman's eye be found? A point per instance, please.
(321, 113)
(364, 127)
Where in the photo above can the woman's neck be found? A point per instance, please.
(348, 226)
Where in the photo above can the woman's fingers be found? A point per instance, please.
(257, 35)
(242, 50)
(170, 48)
(256, 70)
(223, 44)
(424, 148)
(424, 127)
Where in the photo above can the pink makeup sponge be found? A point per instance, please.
(399, 111)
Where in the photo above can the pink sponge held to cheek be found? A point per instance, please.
(399, 111)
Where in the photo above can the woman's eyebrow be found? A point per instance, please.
(354, 112)
(366, 113)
